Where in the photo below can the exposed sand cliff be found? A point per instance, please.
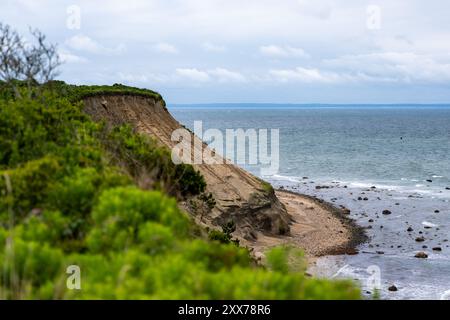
(263, 218)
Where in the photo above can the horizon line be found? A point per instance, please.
(309, 104)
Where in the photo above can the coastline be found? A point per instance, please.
(318, 227)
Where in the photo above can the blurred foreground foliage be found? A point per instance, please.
(68, 196)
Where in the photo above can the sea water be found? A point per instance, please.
(402, 151)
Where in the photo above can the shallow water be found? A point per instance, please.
(351, 149)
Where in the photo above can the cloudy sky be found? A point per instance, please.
(285, 51)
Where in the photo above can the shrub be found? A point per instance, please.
(30, 184)
(121, 212)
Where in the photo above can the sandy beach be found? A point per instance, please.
(317, 227)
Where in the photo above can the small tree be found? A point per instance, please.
(34, 61)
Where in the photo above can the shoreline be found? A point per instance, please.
(358, 234)
(319, 228)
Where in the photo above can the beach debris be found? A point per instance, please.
(392, 288)
(421, 255)
(420, 239)
(386, 212)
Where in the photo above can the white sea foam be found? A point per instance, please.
(284, 178)
(429, 224)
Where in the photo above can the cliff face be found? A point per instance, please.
(239, 196)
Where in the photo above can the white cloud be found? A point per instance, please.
(283, 52)
(165, 48)
(225, 75)
(404, 67)
(211, 47)
(307, 75)
(193, 74)
(132, 78)
(83, 43)
(68, 57)
(218, 74)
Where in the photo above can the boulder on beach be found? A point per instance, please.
(392, 288)
(346, 210)
(386, 212)
(421, 255)
(420, 239)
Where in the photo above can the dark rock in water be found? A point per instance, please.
(380, 252)
(429, 180)
(373, 187)
(370, 220)
(448, 188)
(424, 247)
(397, 204)
(437, 249)
(392, 288)
(420, 239)
(346, 211)
(410, 229)
(386, 212)
(359, 199)
(366, 199)
(436, 211)
(421, 255)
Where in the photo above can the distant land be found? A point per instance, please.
(304, 105)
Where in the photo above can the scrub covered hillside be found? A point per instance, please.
(69, 196)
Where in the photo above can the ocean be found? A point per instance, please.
(370, 158)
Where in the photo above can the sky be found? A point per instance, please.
(253, 51)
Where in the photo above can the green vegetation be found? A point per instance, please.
(69, 195)
(76, 93)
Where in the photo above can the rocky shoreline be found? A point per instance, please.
(406, 232)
